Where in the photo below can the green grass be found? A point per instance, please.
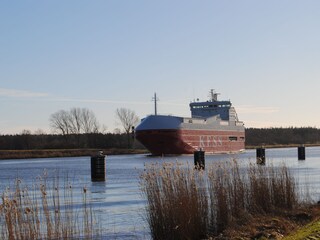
(310, 231)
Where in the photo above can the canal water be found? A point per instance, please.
(118, 202)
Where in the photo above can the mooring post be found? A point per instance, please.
(98, 167)
(301, 153)
(199, 159)
(261, 156)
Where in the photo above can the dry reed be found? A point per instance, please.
(177, 202)
(185, 203)
(43, 213)
(236, 193)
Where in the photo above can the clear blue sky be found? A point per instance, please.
(262, 55)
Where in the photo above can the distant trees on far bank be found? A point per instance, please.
(254, 137)
(58, 141)
(282, 136)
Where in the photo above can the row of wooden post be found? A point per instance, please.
(199, 156)
(98, 164)
(261, 154)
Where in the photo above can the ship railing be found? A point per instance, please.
(193, 120)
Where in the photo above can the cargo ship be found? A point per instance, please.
(213, 127)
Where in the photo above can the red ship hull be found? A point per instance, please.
(186, 141)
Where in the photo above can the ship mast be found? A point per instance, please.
(155, 99)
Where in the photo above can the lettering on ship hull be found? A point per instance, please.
(209, 141)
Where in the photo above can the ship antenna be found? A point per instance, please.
(214, 95)
(155, 99)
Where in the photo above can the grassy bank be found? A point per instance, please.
(309, 231)
(51, 153)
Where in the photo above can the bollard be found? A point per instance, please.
(98, 168)
(199, 160)
(301, 153)
(261, 156)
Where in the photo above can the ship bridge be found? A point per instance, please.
(213, 107)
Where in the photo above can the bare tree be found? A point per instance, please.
(59, 122)
(75, 121)
(89, 121)
(128, 119)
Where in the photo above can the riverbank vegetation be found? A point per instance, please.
(43, 211)
(45, 145)
(28, 141)
(254, 137)
(223, 202)
(282, 136)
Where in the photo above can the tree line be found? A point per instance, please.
(254, 137)
(282, 136)
(59, 141)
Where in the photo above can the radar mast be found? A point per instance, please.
(213, 95)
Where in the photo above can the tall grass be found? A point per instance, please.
(44, 212)
(177, 202)
(185, 203)
(236, 193)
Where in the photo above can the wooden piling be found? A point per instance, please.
(98, 168)
(261, 156)
(301, 153)
(199, 159)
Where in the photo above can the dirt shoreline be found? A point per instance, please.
(282, 146)
(54, 153)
